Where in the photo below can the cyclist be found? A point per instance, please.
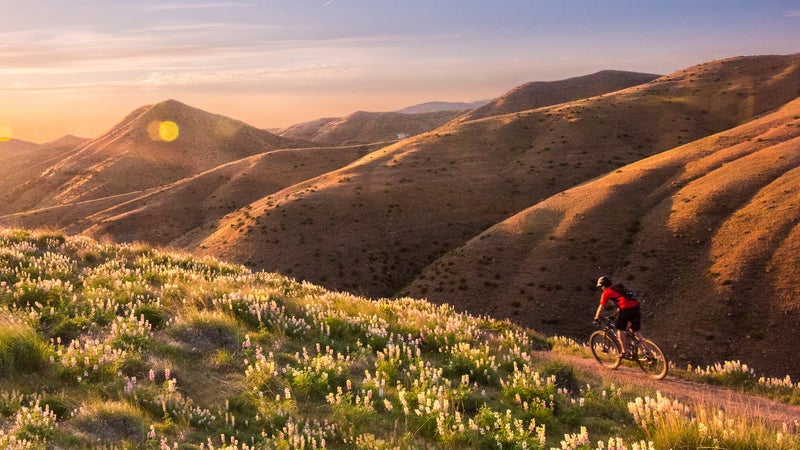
(628, 314)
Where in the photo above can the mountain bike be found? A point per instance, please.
(646, 353)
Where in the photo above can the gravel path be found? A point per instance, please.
(772, 412)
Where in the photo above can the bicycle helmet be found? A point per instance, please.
(604, 281)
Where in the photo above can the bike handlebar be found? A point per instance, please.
(605, 321)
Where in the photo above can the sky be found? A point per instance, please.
(80, 66)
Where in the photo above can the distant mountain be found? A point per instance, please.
(12, 146)
(132, 157)
(67, 141)
(545, 93)
(367, 127)
(26, 163)
(442, 106)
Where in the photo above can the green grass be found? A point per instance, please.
(129, 346)
(22, 349)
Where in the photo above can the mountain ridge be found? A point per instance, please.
(386, 218)
(362, 127)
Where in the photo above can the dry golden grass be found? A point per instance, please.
(366, 127)
(128, 158)
(546, 93)
(178, 213)
(706, 233)
(372, 226)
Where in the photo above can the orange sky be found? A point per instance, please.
(79, 67)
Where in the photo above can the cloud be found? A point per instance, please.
(246, 79)
(209, 5)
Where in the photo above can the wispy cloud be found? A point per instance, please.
(171, 77)
(792, 13)
(208, 5)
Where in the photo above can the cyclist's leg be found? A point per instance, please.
(622, 325)
(634, 324)
(628, 320)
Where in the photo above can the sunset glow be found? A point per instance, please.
(80, 67)
(5, 133)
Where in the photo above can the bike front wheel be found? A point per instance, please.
(605, 349)
(651, 359)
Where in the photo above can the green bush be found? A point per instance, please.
(22, 350)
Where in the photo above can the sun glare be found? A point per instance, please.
(5, 133)
(166, 130)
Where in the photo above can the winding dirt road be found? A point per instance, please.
(772, 412)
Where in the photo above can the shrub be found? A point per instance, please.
(22, 350)
(111, 421)
(205, 331)
(34, 423)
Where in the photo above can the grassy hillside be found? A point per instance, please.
(374, 225)
(128, 346)
(408, 218)
(539, 94)
(134, 156)
(23, 162)
(711, 226)
(366, 127)
(175, 213)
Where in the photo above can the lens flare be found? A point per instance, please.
(5, 133)
(166, 130)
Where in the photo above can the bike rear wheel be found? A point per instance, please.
(651, 359)
(605, 349)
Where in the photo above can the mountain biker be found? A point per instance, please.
(628, 314)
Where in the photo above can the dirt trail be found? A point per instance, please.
(775, 413)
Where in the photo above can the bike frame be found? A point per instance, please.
(605, 346)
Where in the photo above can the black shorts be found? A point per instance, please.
(630, 315)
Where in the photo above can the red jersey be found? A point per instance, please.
(620, 300)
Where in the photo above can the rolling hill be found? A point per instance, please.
(545, 93)
(174, 215)
(24, 162)
(130, 346)
(133, 157)
(442, 106)
(697, 165)
(707, 233)
(373, 225)
(368, 127)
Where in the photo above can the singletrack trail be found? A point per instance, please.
(759, 408)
